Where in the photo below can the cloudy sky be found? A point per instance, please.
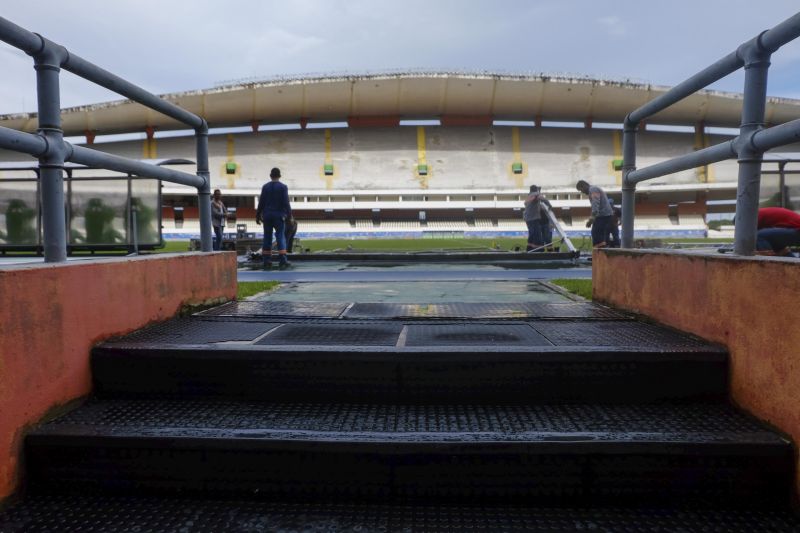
(171, 45)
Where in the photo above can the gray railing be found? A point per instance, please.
(49, 146)
(748, 147)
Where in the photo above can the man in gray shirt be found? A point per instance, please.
(601, 213)
(531, 216)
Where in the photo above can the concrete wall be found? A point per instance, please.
(747, 304)
(53, 314)
(465, 157)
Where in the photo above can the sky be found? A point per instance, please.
(169, 45)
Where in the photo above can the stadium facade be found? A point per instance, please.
(423, 153)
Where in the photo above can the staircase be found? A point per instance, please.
(267, 416)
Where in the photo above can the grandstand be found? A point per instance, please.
(425, 154)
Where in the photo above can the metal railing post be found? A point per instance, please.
(628, 187)
(204, 191)
(47, 63)
(756, 67)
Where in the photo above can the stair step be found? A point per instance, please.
(80, 513)
(540, 454)
(373, 360)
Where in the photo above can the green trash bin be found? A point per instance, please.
(20, 223)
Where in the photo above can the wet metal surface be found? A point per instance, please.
(416, 292)
(429, 274)
(383, 334)
(614, 334)
(483, 311)
(79, 513)
(474, 334)
(690, 423)
(193, 331)
(269, 308)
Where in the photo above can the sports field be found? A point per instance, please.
(424, 245)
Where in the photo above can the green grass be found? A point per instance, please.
(250, 288)
(581, 287)
(173, 246)
(412, 245)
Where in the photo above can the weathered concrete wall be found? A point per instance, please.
(51, 315)
(747, 304)
(460, 157)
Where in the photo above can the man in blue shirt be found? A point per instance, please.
(274, 210)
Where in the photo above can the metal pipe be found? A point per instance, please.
(782, 183)
(204, 190)
(51, 162)
(767, 139)
(93, 158)
(706, 156)
(781, 34)
(33, 44)
(749, 183)
(79, 66)
(769, 41)
(19, 141)
(628, 187)
(19, 37)
(727, 65)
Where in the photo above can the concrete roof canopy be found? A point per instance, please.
(413, 95)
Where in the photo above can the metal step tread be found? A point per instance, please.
(534, 336)
(391, 310)
(560, 427)
(79, 513)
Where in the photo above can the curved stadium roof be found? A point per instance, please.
(412, 95)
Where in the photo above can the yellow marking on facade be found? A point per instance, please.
(421, 158)
(519, 179)
(229, 146)
(710, 177)
(328, 161)
(700, 140)
(616, 137)
(230, 152)
(146, 148)
(328, 158)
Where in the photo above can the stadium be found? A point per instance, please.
(404, 154)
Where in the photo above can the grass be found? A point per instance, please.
(173, 246)
(250, 288)
(413, 245)
(581, 287)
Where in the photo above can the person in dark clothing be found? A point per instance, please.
(613, 226)
(274, 210)
(601, 213)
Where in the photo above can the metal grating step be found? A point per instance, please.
(192, 331)
(468, 422)
(474, 334)
(269, 309)
(80, 513)
(588, 334)
(479, 372)
(616, 334)
(384, 334)
(556, 454)
(483, 311)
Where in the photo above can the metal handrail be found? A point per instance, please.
(748, 147)
(49, 146)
